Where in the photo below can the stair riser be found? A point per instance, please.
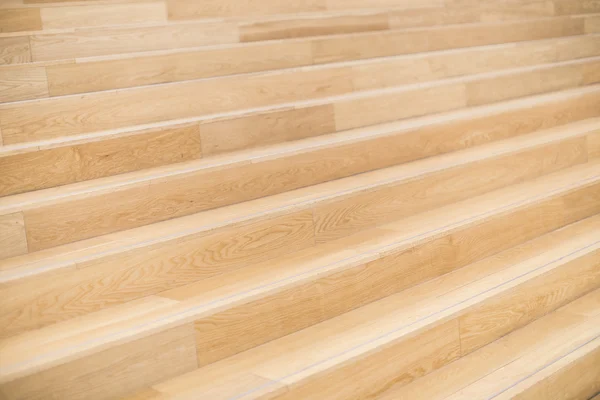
(437, 345)
(115, 279)
(80, 162)
(295, 308)
(578, 378)
(52, 118)
(70, 219)
(186, 9)
(427, 349)
(41, 81)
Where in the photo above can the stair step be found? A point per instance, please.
(62, 116)
(71, 213)
(400, 338)
(478, 227)
(78, 159)
(75, 44)
(319, 359)
(554, 357)
(48, 17)
(40, 80)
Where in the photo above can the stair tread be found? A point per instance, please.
(172, 312)
(459, 92)
(64, 256)
(322, 346)
(513, 359)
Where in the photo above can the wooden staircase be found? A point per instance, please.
(309, 199)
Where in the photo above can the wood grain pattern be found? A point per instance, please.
(519, 347)
(115, 372)
(107, 110)
(13, 240)
(22, 83)
(20, 19)
(539, 81)
(513, 310)
(312, 27)
(80, 162)
(576, 6)
(576, 376)
(266, 128)
(102, 15)
(14, 50)
(141, 70)
(117, 279)
(190, 9)
(394, 201)
(103, 41)
(399, 363)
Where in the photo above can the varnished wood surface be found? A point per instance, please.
(542, 356)
(107, 155)
(507, 195)
(344, 350)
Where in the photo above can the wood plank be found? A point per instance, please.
(397, 200)
(143, 271)
(87, 16)
(20, 19)
(528, 302)
(106, 110)
(97, 159)
(103, 41)
(294, 28)
(14, 50)
(22, 83)
(266, 128)
(576, 376)
(430, 16)
(142, 70)
(13, 240)
(576, 6)
(190, 9)
(510, 86)
(592, 25)
(114, 372)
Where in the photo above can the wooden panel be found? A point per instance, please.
(355, 47)
(191, 9)
(102, 41)
(591, 73)
(20, 19)
(578, 48)
(140, 272)
(592, 25)
(107, 110)
(529, 301)
(262, 129)
(349, 215)
(22, 83)
(510, 86)
(13, 241)
(412, 18)
(14, 50)
(88, 16)
(112, 373)
(397, 105)
(349, 4)
(397, 363)
(144, 70)
(576, 376)
(293, 28)
(502, 11)
(62, 165)
(477, 35)
(576, 6)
